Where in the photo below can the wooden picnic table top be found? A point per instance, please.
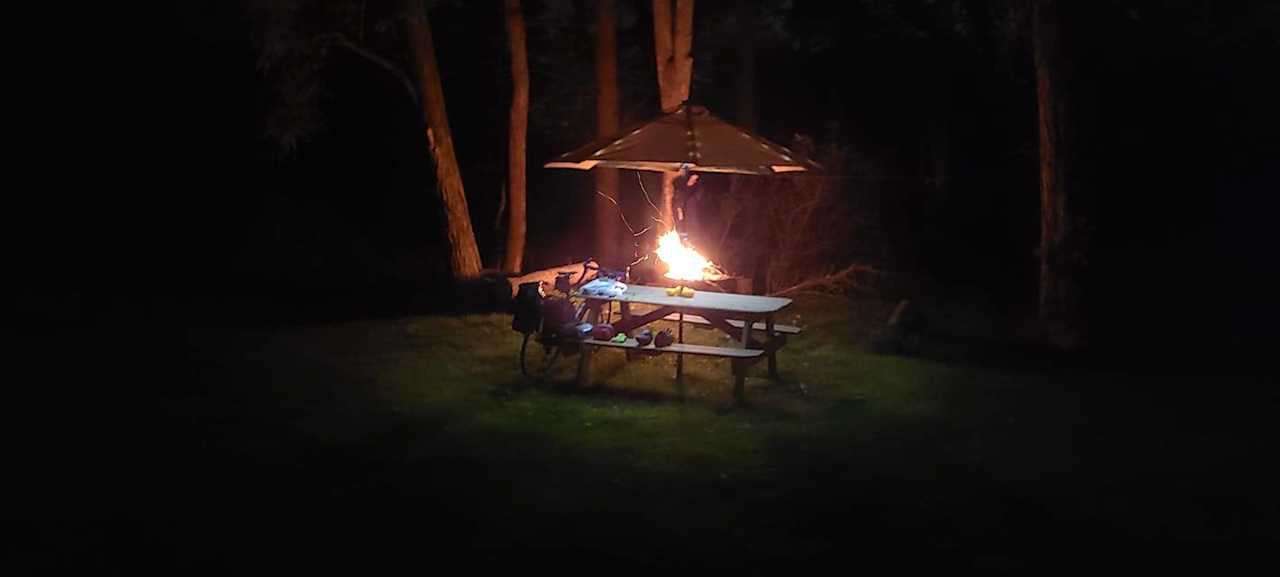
(706, 300)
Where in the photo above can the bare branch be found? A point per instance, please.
(340, 39)
(839, 281)
(623, 216)
(730, 217)
(646, 195)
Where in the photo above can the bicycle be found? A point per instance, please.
(556, 321)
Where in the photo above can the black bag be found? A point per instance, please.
(557, 313)
(526, 308)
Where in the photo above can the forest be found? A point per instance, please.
(298, 139)
(1021, 252)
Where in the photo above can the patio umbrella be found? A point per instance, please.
(688, 138)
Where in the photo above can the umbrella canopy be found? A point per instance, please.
(689, 138)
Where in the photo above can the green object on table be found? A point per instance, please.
(619, 338)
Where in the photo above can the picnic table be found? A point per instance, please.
(738, 315)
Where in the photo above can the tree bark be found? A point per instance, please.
(1059, 298)
(662, 49)
(517, 138)
(673, 43)
(683, 52)
(607, 236)
(668, 199)
(464, 256)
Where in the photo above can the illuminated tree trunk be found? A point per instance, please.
(673, 44)
(668, 200)
(464, 257)
(1059, 298)
(607, 179)
(517, 138)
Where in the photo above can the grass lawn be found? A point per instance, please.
(415, 443)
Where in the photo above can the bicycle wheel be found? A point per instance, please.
(534, 365)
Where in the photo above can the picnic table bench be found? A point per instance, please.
(737, 324)
(737, 315)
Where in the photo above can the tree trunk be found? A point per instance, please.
(607, 238)
(1059, 298)
(464, 257)
(662, 50)
(673, 43)
(518, 129)
(683, 52)
(668, 199)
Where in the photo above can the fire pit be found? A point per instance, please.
(678, 263)
(683, 262)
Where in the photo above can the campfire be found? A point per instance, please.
(683, 262)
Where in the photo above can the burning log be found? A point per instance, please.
(684, 266)
(683, 262)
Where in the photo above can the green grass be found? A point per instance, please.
(420, 434)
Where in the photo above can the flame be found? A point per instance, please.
(683, 262)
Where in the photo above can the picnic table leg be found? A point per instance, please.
(680, 356)
(624, 309)
(773, 353)
(740, 369)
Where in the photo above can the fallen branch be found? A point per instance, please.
(836, 282)
(548, 276)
